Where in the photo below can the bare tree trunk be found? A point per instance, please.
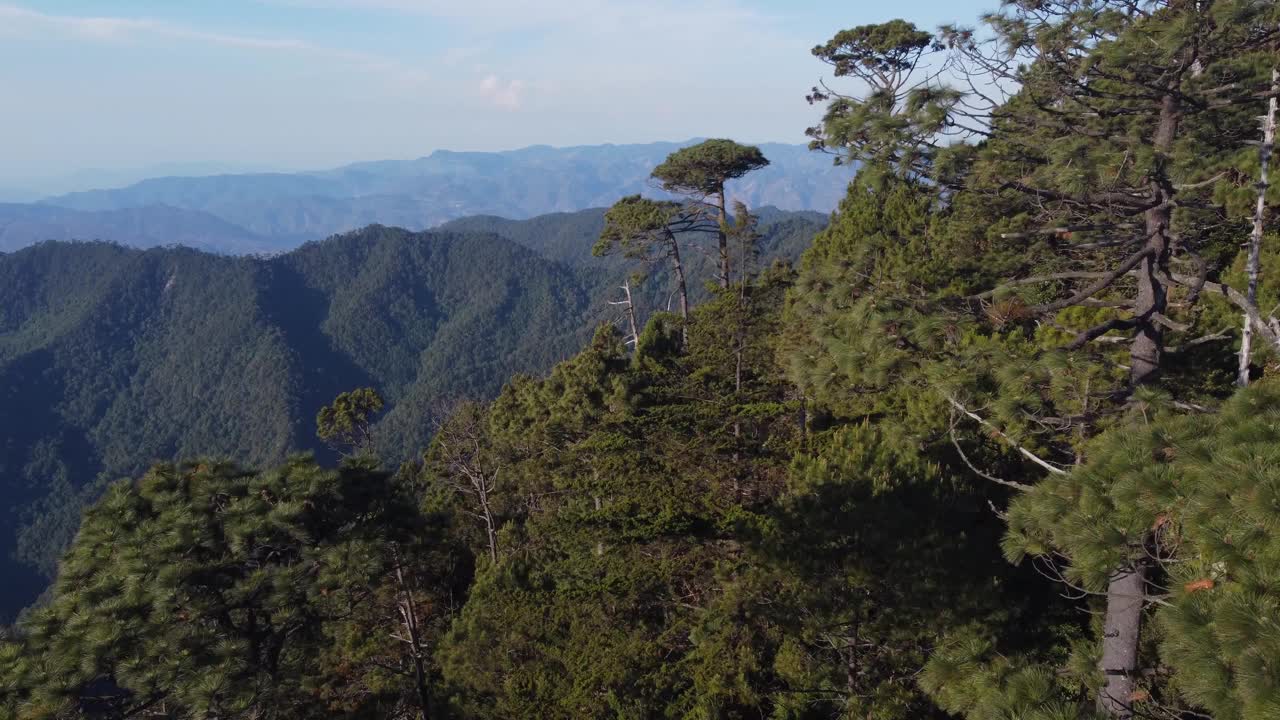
(466, 473)
(409, 616)
(851, 668)
(629, 308)
(599, 506)
(737, 385)
(490, 526)
(1126, 593)
(1255, 238)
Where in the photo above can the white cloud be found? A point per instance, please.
(506, 94)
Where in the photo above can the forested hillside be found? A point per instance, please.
(1004, 441)
(111, 358)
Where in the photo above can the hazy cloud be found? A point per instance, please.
(707, 16)
(309, 83)
(20, 21)
(506, 94)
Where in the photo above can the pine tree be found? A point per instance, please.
(1195, 497)
(204, 590)
(1109, 143)
(346, 423)
(701, 172)
(650, 231)
(1065, 214)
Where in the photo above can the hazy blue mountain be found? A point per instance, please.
(24, 224)
(21, 189)
(287, 208)
(16, 194)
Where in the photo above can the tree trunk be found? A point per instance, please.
(723, 237)
(491, 532)
(1255, 238)
(1126, 589)
(599, 506)
(678, 268)
(1126, 594)
(1148, 342)
(631, 314)
(409, 615)
(739, 340)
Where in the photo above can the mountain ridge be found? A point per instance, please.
(278, 211)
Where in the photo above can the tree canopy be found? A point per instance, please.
(983, 451)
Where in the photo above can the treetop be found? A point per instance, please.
(704, 168)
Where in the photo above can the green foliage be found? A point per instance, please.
(672, 550)
(1195, 496)
(123, 357)
(628, 483)
(860, 568)
(702, 170)
(1020, 296)
(968, 677)
(904, 106)
(905, 479)
(205, 590)
(345, 423)
(891, 47)
(634, 225)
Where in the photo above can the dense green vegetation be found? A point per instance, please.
(111, 358)
(994, 447)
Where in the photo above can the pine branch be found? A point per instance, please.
(1021, 450)
(1036, 279)
(1268, 331)
(1102, 284)
(1223, 334)
(1097, 331)
(986, 476)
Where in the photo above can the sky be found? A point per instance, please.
(308, 84)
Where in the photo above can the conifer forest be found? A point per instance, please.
(997, 440)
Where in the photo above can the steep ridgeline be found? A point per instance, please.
(112, 357)
(279, 211)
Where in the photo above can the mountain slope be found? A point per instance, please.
(112, 357)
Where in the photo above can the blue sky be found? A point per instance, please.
(293, 84)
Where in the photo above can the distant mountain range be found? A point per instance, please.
(112, 357)
(32, 189)
(26, 224)
(275, 212)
